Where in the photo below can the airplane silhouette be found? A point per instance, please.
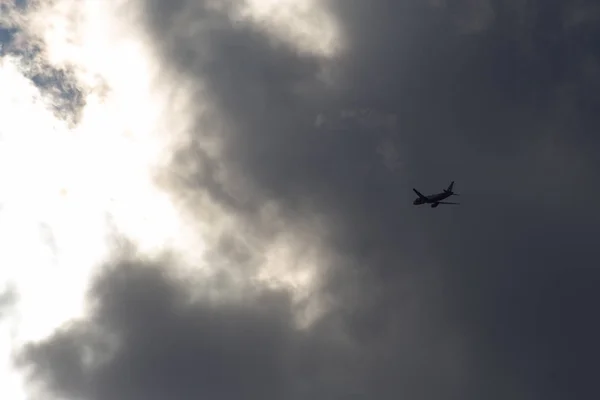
(435, 199)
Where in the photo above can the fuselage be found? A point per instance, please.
(434, 198)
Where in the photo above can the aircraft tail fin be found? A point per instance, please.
(450, 187)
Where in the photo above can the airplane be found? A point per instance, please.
(435, 199)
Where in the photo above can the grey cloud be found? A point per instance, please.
(8, 297)
(165, 346)
(147, 339)
(492, 299)
(67, 97)
(59, 86)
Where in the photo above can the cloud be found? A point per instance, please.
(167, 346)
(480, 109)
(77, 146)
(7, 299)
(313, 150)
(148, 338)
(58, 85)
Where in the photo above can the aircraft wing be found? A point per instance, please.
(446, 202)
(419, 194)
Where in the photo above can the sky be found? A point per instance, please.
(213, 199)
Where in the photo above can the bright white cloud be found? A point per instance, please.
(304, 23)
(65, 190)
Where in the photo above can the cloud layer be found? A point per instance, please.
(491, 299)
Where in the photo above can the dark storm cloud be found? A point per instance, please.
(492, 299)
(146, 339)
(166, 347)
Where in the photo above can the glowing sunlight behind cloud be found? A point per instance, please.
(66, 190)
(302, 22)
